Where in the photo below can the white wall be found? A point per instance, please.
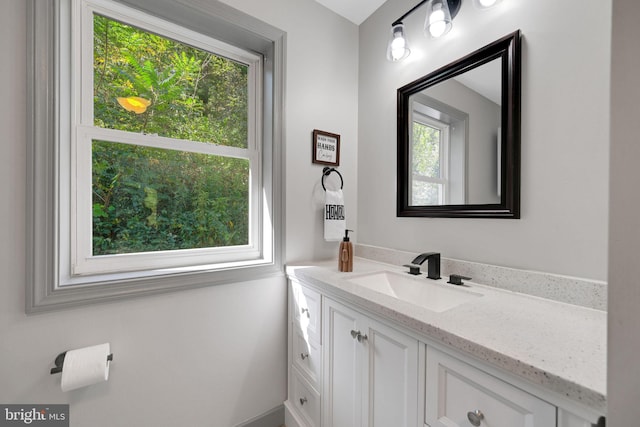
(565, 122)
(207, 357)
(623, 392)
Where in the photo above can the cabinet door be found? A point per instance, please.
(371, 375)
(342, 378)
(392, 379)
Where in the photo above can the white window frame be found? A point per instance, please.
(444, 142)
(61, 272)
(82, 260)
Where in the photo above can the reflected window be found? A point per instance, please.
(429, 154)
(438, 153)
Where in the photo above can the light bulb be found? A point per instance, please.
(437, 26)
(485, 4)
(398, 48)
(438, 21)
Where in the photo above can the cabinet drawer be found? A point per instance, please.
(457, 393)
(306, 356)
(305, 399)
(306, 310)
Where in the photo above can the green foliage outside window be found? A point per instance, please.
(425, 163)
(426, 150)
(150, 199)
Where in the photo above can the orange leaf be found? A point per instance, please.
(134, 103)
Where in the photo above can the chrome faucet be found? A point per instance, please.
(433, 263)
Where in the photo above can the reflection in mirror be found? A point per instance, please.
(458, 137)
(454, 139)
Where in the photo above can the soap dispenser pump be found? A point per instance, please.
(345, 254)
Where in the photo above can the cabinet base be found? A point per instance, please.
(291, 418)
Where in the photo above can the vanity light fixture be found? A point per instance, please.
(438, 22)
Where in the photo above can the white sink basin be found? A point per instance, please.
(420, 291)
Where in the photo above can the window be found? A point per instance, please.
(160, 171)
(165, 145)
(429, 161)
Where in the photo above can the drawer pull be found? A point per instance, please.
(303, 400)
(305, 310)
(304, 356)
(358, 335)
(475, 417)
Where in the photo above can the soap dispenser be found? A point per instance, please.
(345, 254)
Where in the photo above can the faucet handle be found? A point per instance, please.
(413, 269)
(456, 279)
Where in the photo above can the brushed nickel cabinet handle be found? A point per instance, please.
(357, 335)
(475, 417)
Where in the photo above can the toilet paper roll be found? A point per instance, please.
(85, 366)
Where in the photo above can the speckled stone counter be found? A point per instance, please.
(558, 346)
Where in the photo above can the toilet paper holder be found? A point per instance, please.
(59, 361)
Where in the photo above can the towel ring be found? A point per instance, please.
(326, 171)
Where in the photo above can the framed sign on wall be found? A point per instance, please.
(326, 148)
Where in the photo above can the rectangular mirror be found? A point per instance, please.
(459, 137)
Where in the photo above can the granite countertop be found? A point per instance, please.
(558, 346)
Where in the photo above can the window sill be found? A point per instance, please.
(58, 298)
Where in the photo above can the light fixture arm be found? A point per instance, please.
(454, 7)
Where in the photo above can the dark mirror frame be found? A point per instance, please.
(508, 49)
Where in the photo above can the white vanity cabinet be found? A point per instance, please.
(349, 367)
(371, 371)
